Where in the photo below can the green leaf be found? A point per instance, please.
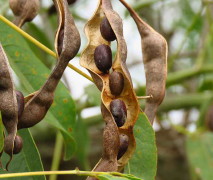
(200, 154)
(33, 73)
(143, 164)
(81, 134)
(28, 160)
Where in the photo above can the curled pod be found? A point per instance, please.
(106, 30)
(8, 105)
(154, 49)
(103, 58)
(39, 103)
(24, 10)
(127, 95)
(124, 144)
(119, 112)
(116, 83)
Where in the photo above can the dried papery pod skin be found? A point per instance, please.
(24, 10)
(38, 105)
(18, 144)
(103, 58)
(154, 49)
(8, 105)
(116, 83)
(124, 144)
(107, 31)
(119, 111)
(20, 102)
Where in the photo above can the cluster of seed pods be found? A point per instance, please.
(120, 106)
(18, 113)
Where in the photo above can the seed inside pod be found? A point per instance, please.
(71, 1)
(106, 30)
(18, 144)
(20, 102)
(116, 83)
(124, 143)
(103, 58)
(119, 112)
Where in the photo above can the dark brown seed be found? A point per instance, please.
(103, 58)
(106, 30)
(20, 102)
(60, 41)
(119, 112)
(116, 83)
(18, 144)
(71, 1)
(124, 143)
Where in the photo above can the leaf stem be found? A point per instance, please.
(41, 46)
(57, 155)
(72, 172)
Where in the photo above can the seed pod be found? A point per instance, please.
(20, 102)
(154, 49)
(109, 160)
(38, 105)
(124, 143)
(107, 31)
(18, 144)
(8, 105)
(119, 112)
(116, 83)
(24, 10)
(103, 58)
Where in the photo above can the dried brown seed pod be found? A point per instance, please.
(24, 10)
(154, 49)
(116, 83)
(119, 112)
(124, 143)
(18, 144)
(109, 160)
(8, 105)
(20, 102)
(107, 31)
(103, 58)
(37, 107)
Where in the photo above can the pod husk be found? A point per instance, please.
(8, 105)
(92, 30)
(155, 50)
(39, 103)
